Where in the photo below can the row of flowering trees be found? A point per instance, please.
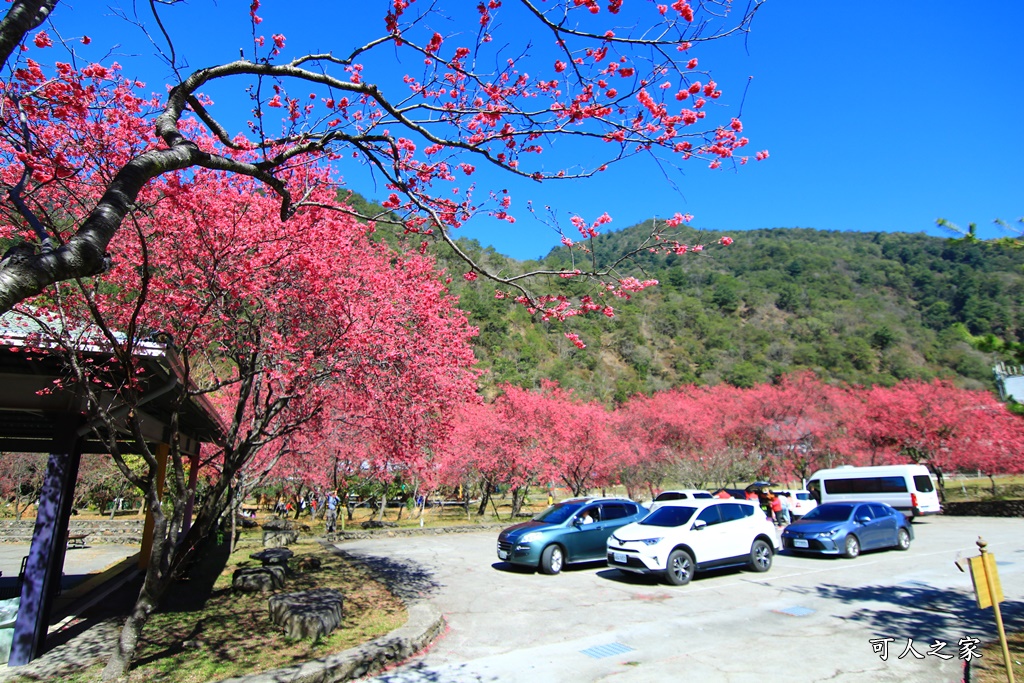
(708, 436)
(699, 436)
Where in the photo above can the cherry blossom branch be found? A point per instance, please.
(456, 109)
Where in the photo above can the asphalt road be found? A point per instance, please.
(808, 619)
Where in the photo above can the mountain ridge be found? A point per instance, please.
(854, 307)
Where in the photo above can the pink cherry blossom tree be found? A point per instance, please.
(615, 78)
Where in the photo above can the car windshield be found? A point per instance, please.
(670, 515)
(558, 513)
(829, 513)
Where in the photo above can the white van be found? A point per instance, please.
(908, 488)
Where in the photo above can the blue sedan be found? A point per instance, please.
(848, 528)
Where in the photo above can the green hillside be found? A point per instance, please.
(858, 308)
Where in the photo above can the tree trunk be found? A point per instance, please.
(233, 508)
(518, 497)
(485, 498)
(992, 479)
(158, 579)
(383, 504)
(117, 665)
(942, 482)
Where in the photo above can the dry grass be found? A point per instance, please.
(990, 668)
(980, 488)
(208, 632)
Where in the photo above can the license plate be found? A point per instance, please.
(619, 557)
(502, 555)
(799, 543)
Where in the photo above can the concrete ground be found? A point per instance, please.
(78, 564)
(91, 574)
(808, 619)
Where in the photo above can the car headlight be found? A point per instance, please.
(829, 534)
(531, 537)
(646, 541)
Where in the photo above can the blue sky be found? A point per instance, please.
(877, 115)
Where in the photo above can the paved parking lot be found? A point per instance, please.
(808, 619)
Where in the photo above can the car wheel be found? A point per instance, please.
(761, 556)
(851, 548)
(552, 559)
(903, 540)
(680, 568)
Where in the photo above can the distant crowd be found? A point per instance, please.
(315, 504)
(776, 506)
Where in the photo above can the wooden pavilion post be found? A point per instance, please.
(49, 543)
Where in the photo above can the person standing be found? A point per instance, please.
(776, 506)
(784, 517)
(332, 511)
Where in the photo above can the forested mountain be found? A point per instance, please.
(857, 308)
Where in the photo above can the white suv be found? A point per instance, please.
(680, 494)
(800, 501)
(686, 536)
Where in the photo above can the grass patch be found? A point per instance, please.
(990, 668)
(1007, 487)
(206, 631)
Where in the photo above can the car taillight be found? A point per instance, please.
(913, 500)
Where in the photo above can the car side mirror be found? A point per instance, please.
(863, 520)
(578, 522)
(699, 524)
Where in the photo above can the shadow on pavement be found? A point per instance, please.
(629, 578)
(917, 610)
(523, 569)
(406, 579)
(513, 568)
(418, 673)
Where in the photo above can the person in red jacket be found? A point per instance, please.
(776, 508)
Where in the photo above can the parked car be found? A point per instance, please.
(848, 528)
(574, 530)
(684, 537)
(679, 494)
(800, 501)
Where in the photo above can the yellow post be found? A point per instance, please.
(988, 568)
